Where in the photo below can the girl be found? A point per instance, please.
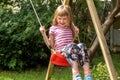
(61, 37)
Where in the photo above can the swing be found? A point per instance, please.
(56, 58)
(59, 60)
(110, 66)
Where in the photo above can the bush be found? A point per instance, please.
(100, 72)
(21, 44)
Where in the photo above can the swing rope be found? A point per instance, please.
(42, 26)
(35, 12)
(45, 38)
(56, 58)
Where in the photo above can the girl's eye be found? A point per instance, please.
(64, 19)
(59, 18)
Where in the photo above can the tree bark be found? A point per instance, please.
(101, 39)
(106, 26)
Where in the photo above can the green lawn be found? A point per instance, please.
(26, 75)
(98, 68)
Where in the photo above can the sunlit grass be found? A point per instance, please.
(33, 74)
(98, 69)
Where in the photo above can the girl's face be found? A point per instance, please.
(62, 21)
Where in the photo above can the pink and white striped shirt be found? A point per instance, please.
(62, 36)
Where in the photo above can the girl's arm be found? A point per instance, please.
(43, 31)
(49, 42)
(76, 31)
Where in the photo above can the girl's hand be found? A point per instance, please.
(77, 30)
(42, 29)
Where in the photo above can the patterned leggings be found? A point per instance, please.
(75, 52)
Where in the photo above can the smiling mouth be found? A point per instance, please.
(62, 23)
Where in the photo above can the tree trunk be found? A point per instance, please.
(106, 26)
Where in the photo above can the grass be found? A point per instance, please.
(33, 74)
(99, 71)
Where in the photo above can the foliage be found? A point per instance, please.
(33, 74)
(21, 44)
(83, 20)
(100, 69)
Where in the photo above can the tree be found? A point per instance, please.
(111, 18)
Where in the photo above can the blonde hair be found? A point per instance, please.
(64, 10)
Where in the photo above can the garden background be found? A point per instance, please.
(23, 52)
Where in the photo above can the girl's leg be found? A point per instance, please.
(70, 52)
(85, 60)
(75, 71)
(87, 72)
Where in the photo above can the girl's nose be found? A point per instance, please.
(62, 21)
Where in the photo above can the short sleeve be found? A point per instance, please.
(52, 30)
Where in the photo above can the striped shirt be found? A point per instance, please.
(62, 36)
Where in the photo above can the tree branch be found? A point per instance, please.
(117, 16)
(106, 26)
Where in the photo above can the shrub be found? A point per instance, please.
(100, 72)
